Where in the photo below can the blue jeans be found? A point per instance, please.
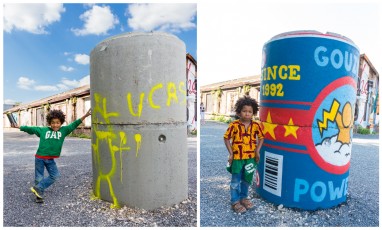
(41, 182)
(239, 187)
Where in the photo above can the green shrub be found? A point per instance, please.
(220, 118)
(194, 132)
(229, 120)
(362, 130)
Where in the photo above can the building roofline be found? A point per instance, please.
(83, 90)
(370, 64)
(192, 59)
(250, 80)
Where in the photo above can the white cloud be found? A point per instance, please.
(163, 17)
(98, 20)
(65, 84)
(9, 101)
(66, 68)
(46, 88)
(25, 83)
(82, 59)
(62, 87)
(85, 80)
(71, 83)
(33, 18)
(334, 152)
(74, 83)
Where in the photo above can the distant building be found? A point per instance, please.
(367, 105)
(191, 77)
(74, 103)
(219, 98)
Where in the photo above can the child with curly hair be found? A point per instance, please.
(51, 141)
(244, 152)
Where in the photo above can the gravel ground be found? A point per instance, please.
(360, 209)
(68, 202)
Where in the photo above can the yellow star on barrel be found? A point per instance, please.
(269, 126)
(291, 129)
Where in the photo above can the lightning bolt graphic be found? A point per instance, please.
(328, 116)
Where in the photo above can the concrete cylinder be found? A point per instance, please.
(307, 102)
(139, 129)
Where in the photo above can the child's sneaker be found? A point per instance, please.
(39, 200)
(37, 192)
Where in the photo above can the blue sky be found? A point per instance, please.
(46, 47)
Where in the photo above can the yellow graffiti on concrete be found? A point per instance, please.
(114, 143)
(105, 176)
(123, 140)
(102, 110)
(130, 105)
(108, 137)
(171, 93)
(138, 139)
(182, 89)
(172, 97)
(153, 89)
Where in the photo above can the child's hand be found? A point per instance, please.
(257, 157)
(89, 112)
(230, 159)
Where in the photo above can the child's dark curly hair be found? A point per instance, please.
(55, 114)
(246, 101)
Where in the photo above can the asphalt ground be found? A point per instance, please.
(360, 209)
(69, 201)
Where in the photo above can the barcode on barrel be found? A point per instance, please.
(273, 173)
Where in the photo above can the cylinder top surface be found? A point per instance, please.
(136, 34)
(312, 33)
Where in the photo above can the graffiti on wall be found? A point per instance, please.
(191, 79)
(116, 142)
(363, 91)
(191, 95)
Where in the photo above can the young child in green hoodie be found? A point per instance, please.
(51, 140)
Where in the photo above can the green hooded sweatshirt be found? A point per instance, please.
(50, 141)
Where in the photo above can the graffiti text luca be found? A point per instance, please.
(172, 97)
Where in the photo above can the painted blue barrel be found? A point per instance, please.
(307, 102)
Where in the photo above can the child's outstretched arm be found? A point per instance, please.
(88, 113)
(72, 126)
(229, 148)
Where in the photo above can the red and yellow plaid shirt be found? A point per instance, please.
(243, 141)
